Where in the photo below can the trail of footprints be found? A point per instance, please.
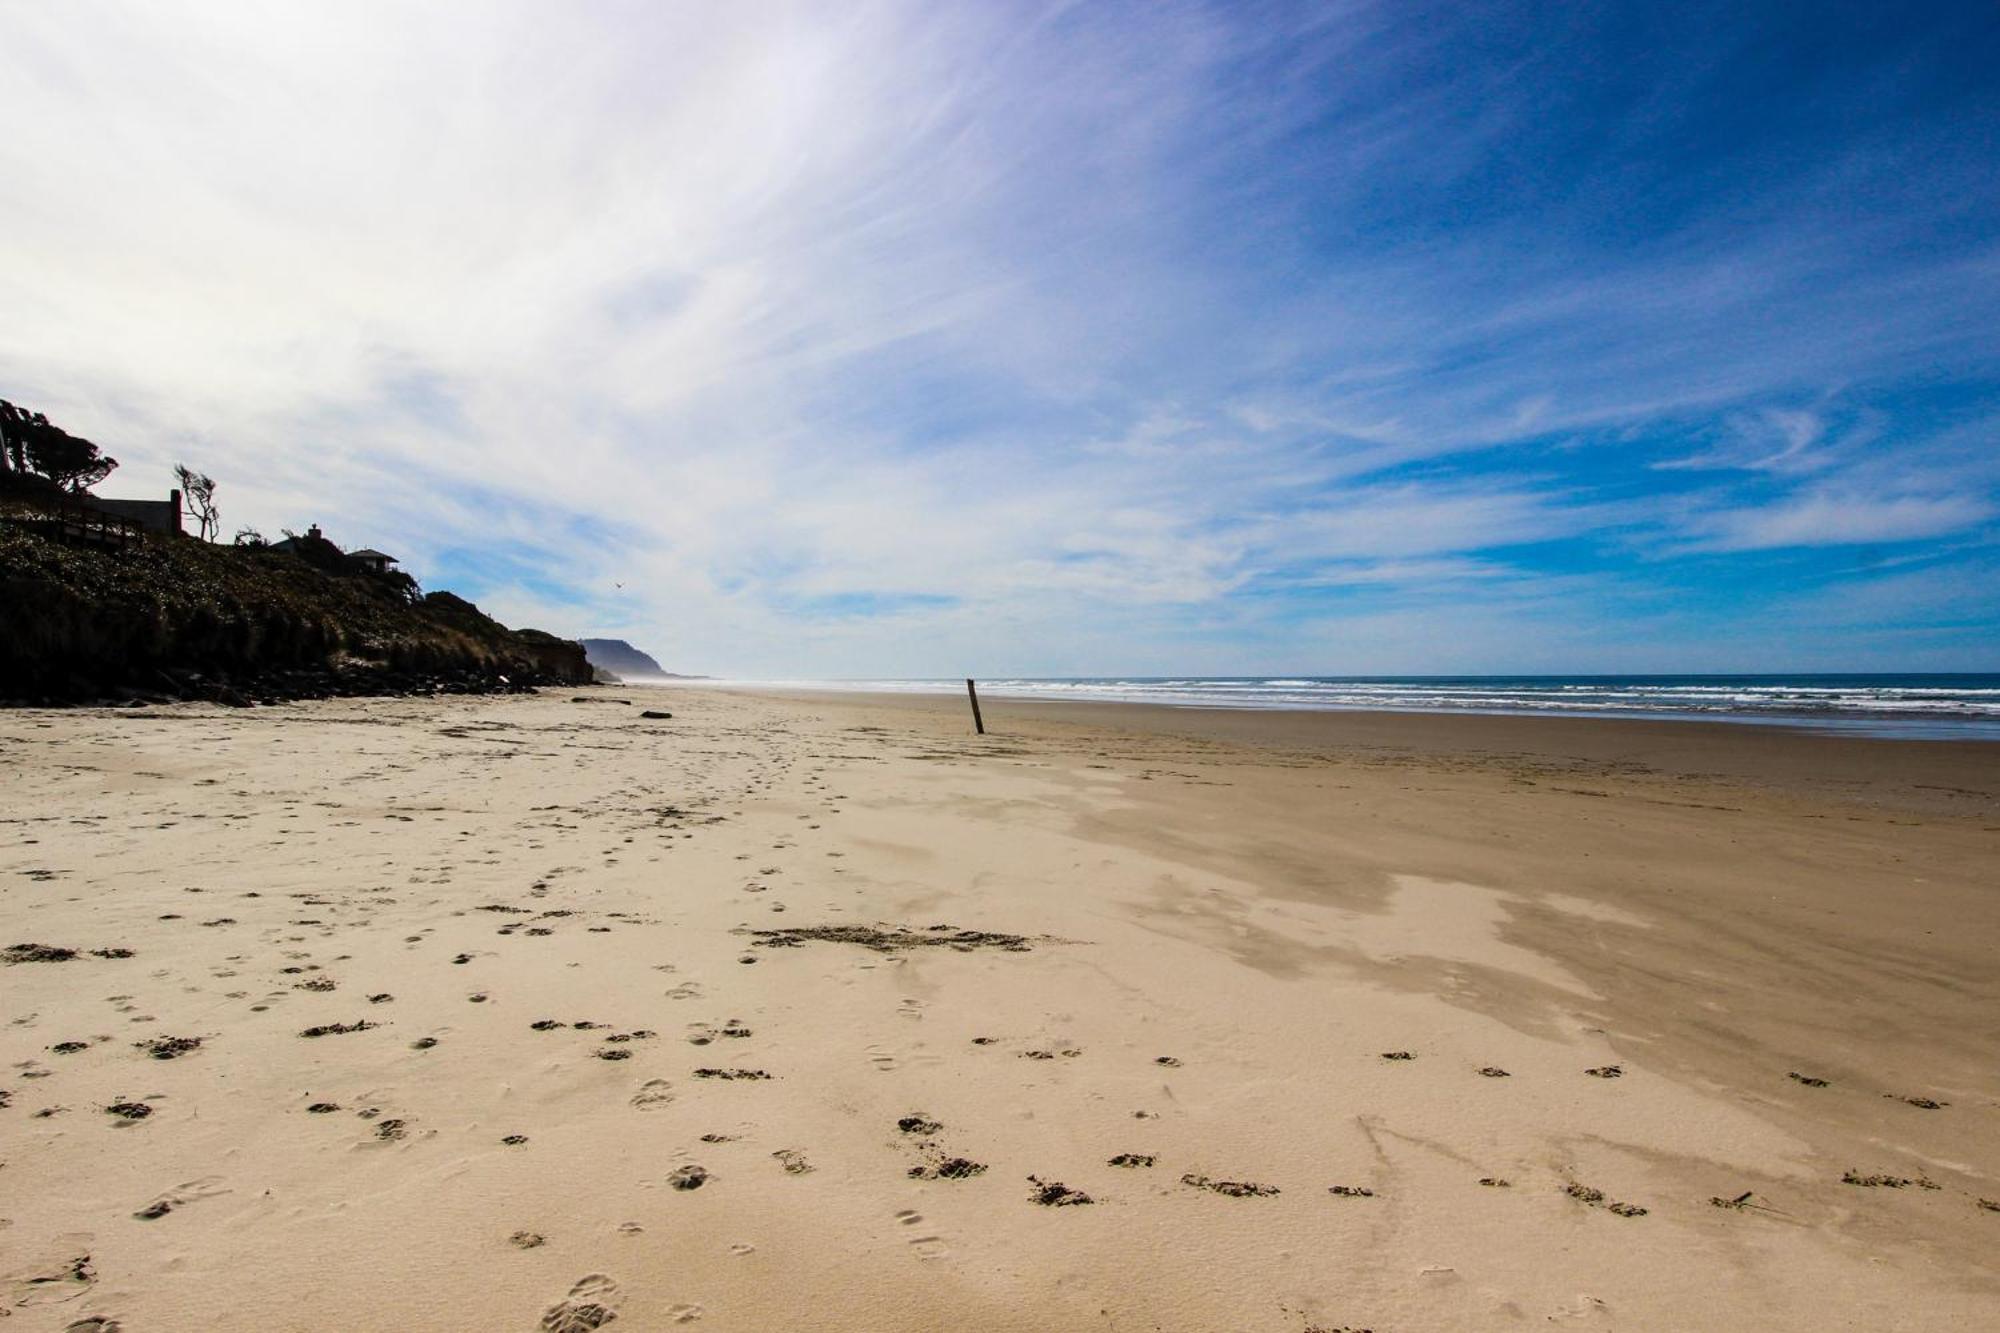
(929, 1154)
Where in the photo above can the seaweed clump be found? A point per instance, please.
(1055, 1194)
(893, 939)
(1235, 1189)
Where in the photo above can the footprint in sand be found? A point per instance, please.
(653, 1094)
(207, 1187)
(701, 1034)
(62, 1272)
(924, 1247)
(591, 1304)
(1583, 1307)
(883, 1060)
(911, 1009)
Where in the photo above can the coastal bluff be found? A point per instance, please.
(166, 618)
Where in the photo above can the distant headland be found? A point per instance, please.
(619, 660)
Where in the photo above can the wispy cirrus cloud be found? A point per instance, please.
(897, 339)
(1832, 518)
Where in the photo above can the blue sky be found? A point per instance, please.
(1070, 339)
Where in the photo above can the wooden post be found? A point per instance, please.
(973, 694)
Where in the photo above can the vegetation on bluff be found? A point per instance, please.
(173, 617)
(92, 607)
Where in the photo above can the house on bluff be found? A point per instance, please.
(162, 516)
(368, 558)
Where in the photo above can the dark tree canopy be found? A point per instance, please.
(31, 443)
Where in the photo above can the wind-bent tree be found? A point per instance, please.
(200, 493)
(70, 461)
(30, 444)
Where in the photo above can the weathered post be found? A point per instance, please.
(972, 693)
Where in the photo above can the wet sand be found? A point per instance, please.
(817, 1011)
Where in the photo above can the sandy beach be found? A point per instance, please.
(819, 1012)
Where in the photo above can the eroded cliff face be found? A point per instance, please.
(174, 618)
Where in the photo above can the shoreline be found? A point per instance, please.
(1912, 727)
(1933, 776)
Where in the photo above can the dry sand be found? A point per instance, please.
(1274, 965)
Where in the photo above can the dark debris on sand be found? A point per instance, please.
(891, 940)
(1133, 1159)
(1873, 1181)
(731, 1073)
(917, 1124)
(1595, 1198)
(689, 1177)
(336, 1029)
(1055, 1194)
(1806, 1079)
(1351, 1191)
(951, 1168)
(129, 1110)
(169, 1048)
(38, 953)
(1235, 1189)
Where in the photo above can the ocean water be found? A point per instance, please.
(1954, 706)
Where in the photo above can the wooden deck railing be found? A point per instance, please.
(78, 525)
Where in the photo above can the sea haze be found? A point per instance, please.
(1953, 706)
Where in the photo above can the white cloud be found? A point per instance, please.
(1825, 518)
(755, 309)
